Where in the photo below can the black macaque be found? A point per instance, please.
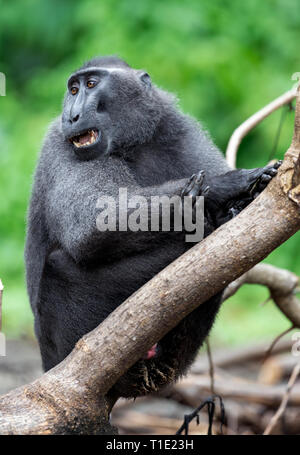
(118, 129)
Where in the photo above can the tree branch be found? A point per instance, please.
(240, 132)
(281, 283)
(280, 411)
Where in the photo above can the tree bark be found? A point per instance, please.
(73, 397)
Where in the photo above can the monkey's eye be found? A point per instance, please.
(74, 90)
(90, 84)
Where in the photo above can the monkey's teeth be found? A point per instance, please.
(92, 139)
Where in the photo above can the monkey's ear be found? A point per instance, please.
(145, 78)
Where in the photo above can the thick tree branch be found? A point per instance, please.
(72, 397)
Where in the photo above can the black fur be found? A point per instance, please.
(77, 275)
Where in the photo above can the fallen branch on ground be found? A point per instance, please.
(238, 389)
(227, 358)
(284, 401)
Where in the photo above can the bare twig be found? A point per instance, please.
(275, 341)
(284, 401)
(211, 367)
(251, 122)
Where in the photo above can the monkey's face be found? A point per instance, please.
(108, 109)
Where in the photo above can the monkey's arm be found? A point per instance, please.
(72, 207)
(73, 219)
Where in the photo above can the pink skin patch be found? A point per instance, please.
(151, 353)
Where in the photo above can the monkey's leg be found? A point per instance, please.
(230, 193)
(257, 179)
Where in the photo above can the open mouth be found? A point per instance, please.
(85, 139)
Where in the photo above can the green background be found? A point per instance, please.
(224, 60)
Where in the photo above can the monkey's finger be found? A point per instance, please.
(200, 177)
(278, 164)
(206, 191)
(187, 189)
(266, 178)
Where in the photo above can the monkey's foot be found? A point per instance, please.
(262, 177)
(258, 180)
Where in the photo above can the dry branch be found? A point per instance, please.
(251, 122)
(228, 358)
(277, 368)
(284, 401)
(73, 397)
(191, 387)
(281, 283)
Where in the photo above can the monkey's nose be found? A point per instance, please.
(74, 118)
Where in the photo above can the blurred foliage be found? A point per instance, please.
(224, 59)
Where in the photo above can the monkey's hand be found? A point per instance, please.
(195, 187)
